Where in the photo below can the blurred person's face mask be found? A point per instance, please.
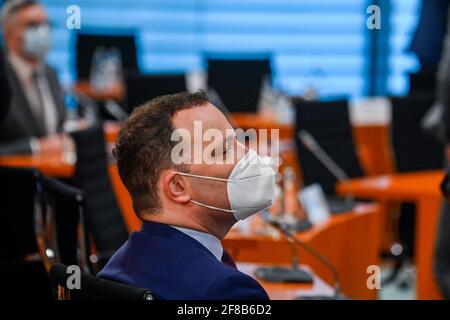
(37, 41)
(250, 186)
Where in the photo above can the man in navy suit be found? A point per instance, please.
(187, 207)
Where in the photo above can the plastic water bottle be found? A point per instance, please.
(69, 155)
(71, 123)
(106, 68)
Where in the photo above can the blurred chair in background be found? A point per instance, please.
(103, 60)
(22, 268)
(61, 223)
(88, 42)
(140, 88)
(329, 123)
(238, 81)
(103, 215)
(413, 150)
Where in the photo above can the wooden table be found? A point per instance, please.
(421, 188)
(345, 239)
(115, 92)
(289, 291)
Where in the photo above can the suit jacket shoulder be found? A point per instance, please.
(175, 266)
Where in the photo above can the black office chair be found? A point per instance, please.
(87, 42)
(141, 88)
(329, 123)
(61, 222)
(414, 150)
(103, 214)
(93, 288)
(238, 81)
(22, 263)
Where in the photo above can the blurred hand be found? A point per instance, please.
(51, 144)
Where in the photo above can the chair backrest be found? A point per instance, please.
(87, 43)
(238, 81)
(413, 148)
(329, 123)
(94, 288)
(141, 88)
(104, 217)
(17, 196)
(21, 263)
(62, 216)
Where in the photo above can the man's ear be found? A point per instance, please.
(175, 187)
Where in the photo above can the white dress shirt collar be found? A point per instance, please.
(24, 70)
(210, 242)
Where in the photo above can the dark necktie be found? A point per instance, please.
(226, 259)
(39, 113)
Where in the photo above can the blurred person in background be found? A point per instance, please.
(442, 254)
(36, 113)
(5, 92)
(427, 44)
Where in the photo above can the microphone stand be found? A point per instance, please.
(313, 252)
(282, 274)
(310, 143)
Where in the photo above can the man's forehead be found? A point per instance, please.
(209, 116)
(32, 12)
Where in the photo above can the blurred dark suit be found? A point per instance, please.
(20, 122)
(5, 91)
(442, 254)
(427, 43)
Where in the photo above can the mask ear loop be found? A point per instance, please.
(211, 207)
(202, 177)
(210, 178)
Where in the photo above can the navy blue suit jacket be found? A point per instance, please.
(176, 266)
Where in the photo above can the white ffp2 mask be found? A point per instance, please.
(37, 41)
(250, 186)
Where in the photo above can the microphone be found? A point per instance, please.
(277, 225)
(116, 111)
(310, 143)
